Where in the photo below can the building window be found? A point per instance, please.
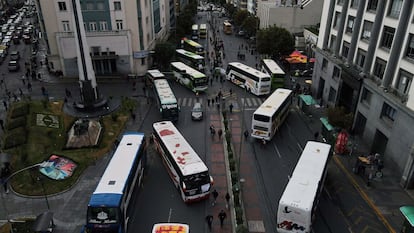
(372, 5)
(62, 6)
(387, 37)
(143, 61)
(379, 68)
(100, 6)
(333, 41)
(366, 31)
(119, 24)
(324, 64)
(340, 2)
(404, 82)
(354, 3)
(410, 47)
(336, 19)
(332, 94)
(148, 37)
(66, 26)
(117, 5)
(90, 6)
(93, 26)
(146, 20)
(361, 54)
(103, 25)
(350, 25)
(395, 8)
(366, 96)
(345, 49)
(336, 72)
(388, 112)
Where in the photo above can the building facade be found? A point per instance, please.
(292, 15)
(120, 33)
(365, 63)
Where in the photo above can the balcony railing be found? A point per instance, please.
(95, 33)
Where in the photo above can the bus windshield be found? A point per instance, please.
(103, 215)
(196, 180)
(262, 118)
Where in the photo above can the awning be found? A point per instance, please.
(307, 99)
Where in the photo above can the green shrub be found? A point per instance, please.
(239, 215)
(234, 177)
(242, 229)
(15, 138)
(19, 109)
(114, 116)
(14, 123)
(232, 164)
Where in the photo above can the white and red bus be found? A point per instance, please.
(170, 228)
(186, 169)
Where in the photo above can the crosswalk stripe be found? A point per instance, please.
(249, 102)
(184, 102)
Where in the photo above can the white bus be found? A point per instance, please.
(194, 32)
(194, 60)
(276, 73)
(186, 169)
(109, 206)
(252, 80)
(152, 75)
(300, 199)
(271, 114)
(171, 228)
(203, 31)
(189, 77)
(167, 103)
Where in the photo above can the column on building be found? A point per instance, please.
(355, 29)
(375, 31)
(341, 28)
(397, 43)
(328, 24)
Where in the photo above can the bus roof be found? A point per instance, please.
(304, 182)
(187, 69)
(250, 70)
(272, 67)
(189, 54)
(118, 170)
(194, 27)
(203, 26)
(184, 155)
(155, 74)
(191, 42)
(227, 23)
(164, 92)
(273, 102)
(170, 228)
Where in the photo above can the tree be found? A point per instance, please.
(240, 16)
(164, 52)
(275, 41)
(250, 24)
(339, 117)
(230, 9)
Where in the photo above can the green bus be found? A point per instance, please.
(192, 46)
(194, 60)
(189, 77)
(271, 68)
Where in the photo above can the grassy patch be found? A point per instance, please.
(44, 141)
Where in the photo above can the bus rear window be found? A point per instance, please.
(103, 215)
(261, 118)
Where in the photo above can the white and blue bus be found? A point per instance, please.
(188, 172)
(300, 199)
(109, 206)
(166, 100)
(254, 81)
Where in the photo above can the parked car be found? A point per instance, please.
(197, 112)
(14, 55)
(13, 66)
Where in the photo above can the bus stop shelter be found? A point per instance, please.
(305, 102)
(408, 214)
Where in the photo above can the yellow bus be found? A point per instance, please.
(227, 28)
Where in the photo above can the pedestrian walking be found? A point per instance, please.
(5, 104)
(227, 200)
(222, 215)
(231, 107)
(211, 81)
(246, 134)
(209, 220)
(2, 124)
(29, 86)
(5, 172)
(316, 136)
(208, 102)
(215, 195)
(220, 132)
(263, 143)
(212, 131)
